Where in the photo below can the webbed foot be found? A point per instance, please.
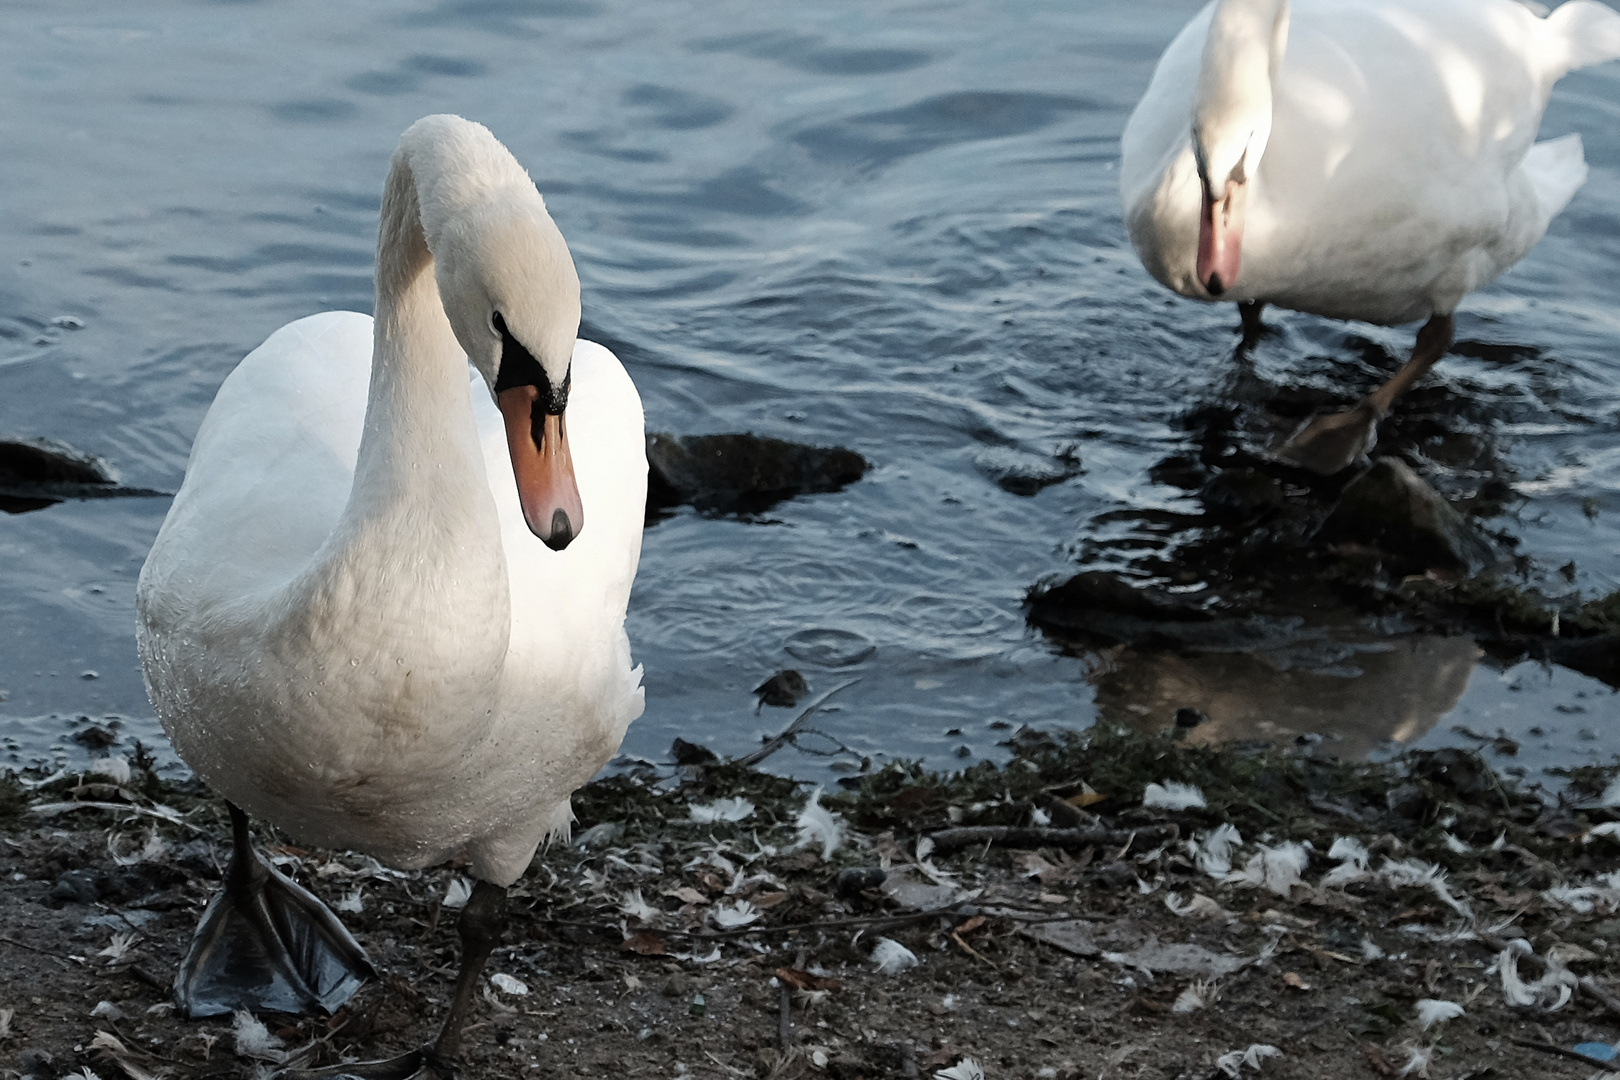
(267, 944)
(1332, 443)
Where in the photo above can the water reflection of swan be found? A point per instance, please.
(367, 616)
(1396, 691)
(1359, 159)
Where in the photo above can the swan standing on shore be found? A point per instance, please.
(386, 611)
(1358, 159)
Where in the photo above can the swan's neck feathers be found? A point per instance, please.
(1243, 53)
(420, 508)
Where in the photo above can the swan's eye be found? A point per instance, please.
(497, 325)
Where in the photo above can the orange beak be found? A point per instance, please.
(538, 443)
(1220, 238)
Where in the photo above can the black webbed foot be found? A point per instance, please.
(267, 944)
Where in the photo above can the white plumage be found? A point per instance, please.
(345, 623)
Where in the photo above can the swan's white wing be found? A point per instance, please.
(270, 469)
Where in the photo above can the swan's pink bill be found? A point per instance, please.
(543, 468)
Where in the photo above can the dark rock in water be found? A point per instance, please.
(830, 648)
(686, 753)
(1101, 607)
(741, 473)
(74, 887)
(783, 689)
(1391, 508)
(95, 737)
(1023, 473)
(36, 473)
(1598, 657)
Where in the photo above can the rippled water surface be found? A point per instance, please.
(889, 226)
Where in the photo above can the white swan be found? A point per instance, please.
(353, 621)
(1358, 159)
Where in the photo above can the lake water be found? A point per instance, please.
(888, 226)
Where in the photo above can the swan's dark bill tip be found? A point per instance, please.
(562, 532)
(1214, 285)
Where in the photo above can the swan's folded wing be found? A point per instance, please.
(271, 466)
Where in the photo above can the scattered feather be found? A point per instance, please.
(1199, 907)
(1370, 950)
(1039, 818)
(1352, 857)
(1418, 1063)
(1608, 828)
(891, 957)
(1278, 868)
(1611, 794)
(1414, 873)
(457, 893)
(966, 1069)
(1454, 845)
(106, 1010)
(253, 1039)
(121, 946)
(1231, 1064)
(506, 984)
(733, 809)
(1551, 992)
(84, 1073)
(1171, 795)
(1431, 1012)
(634, 907)
(352, 903)
(729, 916)
(1213, 853)
(1197, 995)
(817, 826)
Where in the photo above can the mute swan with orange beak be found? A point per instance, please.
(1358, 159)
(386, 610)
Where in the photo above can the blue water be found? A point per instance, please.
(888, 226)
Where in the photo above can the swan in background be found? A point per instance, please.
(386, 611)
(1358, 159)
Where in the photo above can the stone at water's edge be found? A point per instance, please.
(1393, 509)
(36, 473)
(741, 473)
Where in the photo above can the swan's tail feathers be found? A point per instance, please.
(1584, 32)
(1557, 169)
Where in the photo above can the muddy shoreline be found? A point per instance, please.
(1043, 920)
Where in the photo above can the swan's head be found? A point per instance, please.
(1231, 124)
(512, 296)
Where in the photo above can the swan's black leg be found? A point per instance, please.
(267, 944)
(1334, 442)
(480, 926)
(1250, 325)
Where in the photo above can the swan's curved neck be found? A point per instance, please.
(1243, 53)
(420, 507)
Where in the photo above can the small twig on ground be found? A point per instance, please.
(1573, 1055)
(1600, 995)
(948, 840)
(771, 747)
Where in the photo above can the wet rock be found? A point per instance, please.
(1241, 494)
(830, 648)
(1409, 802)
(1023, 473)
(1458, 771)
(36, 473)
(95, 737)
(1101, 606)
(1598, 657)
(74, 887)
(1188, 717)
(782, 690)
(35, 1064)
(686, 753)
(1393, 509)
(741, 473)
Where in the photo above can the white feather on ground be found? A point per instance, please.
(507, 984)
(1418, 1063)
(816, 825)
(729, 916)
(733, 809)
(1278, 868)
(1352, 857)
(1551, 992)
(1198, 995)
(1213, 853)
(632, 906)
(253, 1039)
(1431, 1011)
(1171, 795)
(1231, 1064)
(891, 957)
(966, 1069)
(457, 893)
(1415, 873)
(1199, 907)
(1611, 794)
